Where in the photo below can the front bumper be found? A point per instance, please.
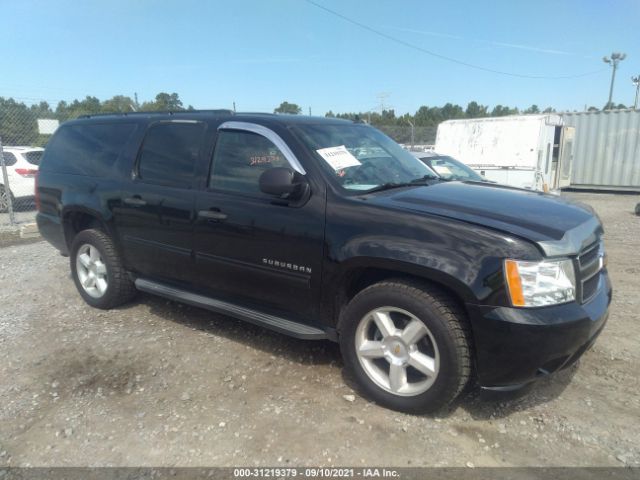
(514, 346)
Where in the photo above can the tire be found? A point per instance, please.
(4, 200)
(443, 348)
(100, 259)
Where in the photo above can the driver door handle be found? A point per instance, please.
(212, 214)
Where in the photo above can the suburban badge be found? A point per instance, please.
(286, 265)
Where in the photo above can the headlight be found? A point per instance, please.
(536, 284)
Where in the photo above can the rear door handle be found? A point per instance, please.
(212, 214)
(135, 201)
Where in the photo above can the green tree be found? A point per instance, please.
(118, 103)
(424, 117)
(502, 111)
(164, 102)
(41, 110)
(18, 124)
(89, 106)
(532, 109)
(450, 111)
(474, 110)
(388, 117)
(286, 107)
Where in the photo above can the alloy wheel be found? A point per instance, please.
(397, 351)
(91, 271)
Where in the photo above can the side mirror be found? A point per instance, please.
(280, 181)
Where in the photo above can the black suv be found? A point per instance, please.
(326, 229)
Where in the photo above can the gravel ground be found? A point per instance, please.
(156, 383)
(22, 214)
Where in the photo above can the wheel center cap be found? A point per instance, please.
(396, 350)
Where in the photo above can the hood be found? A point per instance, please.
(559, 226)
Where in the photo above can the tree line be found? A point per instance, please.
(427, 116)
(421, 126)
(18, 121)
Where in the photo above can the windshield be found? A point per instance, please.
(451, 169)
(360, 157)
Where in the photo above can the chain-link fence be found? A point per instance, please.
(410, 137)
(22, 137)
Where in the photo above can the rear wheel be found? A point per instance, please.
(98, 272)
(406, 345)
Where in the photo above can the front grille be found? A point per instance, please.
(590, 263)
(589, 255)
(590, 288)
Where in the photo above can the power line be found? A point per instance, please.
(444, 57)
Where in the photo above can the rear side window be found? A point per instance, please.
(89, 149)
(169, 153)
(33, 157)
(240, 158)
(9, 159)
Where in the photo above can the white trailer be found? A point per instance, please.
(526, 151)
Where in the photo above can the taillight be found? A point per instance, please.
(26, 172)
(36, 192)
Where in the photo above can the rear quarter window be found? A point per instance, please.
(87, 149)
(33, 157)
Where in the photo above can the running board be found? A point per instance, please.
(272, 322)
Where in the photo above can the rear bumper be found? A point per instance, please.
(514, 346)
(52, 231)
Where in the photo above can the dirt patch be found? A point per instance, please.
(86, 373)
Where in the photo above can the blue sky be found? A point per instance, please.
(260, 52)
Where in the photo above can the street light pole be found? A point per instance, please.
(614, 60)
(636, 82)
(413, 138)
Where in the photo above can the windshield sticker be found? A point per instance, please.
(441, 169)
(338, 157)
(262, 159)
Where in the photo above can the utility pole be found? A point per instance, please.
(412, 133)
(613, 60)
(234, 107)
(135, 105)
(309, 111)
(636, 82)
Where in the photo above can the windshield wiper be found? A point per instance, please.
(422, 181)
(424, 178)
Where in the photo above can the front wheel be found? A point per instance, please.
(406, 345)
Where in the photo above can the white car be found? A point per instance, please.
(448, 168)
(22, 165)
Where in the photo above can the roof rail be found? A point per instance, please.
(220, 111)
(258, 113)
